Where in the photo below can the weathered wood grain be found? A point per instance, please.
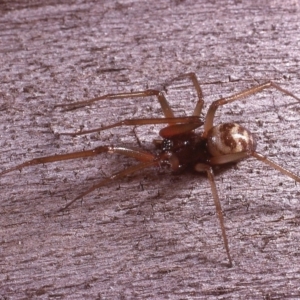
(151, 236)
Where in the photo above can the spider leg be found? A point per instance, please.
(228, 158)
(147, 160)
(177, 129)
(160, 96)
(113, 177)
(192, 76)
(206, 168)
(195, 121)
(208, 124)
(137, 154)
(233, 157)
(275, 166)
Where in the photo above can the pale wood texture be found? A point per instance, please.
(151, 236)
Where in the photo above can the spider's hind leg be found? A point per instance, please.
(208, 124)
(275, 166)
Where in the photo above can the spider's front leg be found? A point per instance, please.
(167, 110)
(146, 160)
(191, 122)
(137, 154)
(169, 118)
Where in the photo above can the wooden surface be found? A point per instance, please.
(153, 235)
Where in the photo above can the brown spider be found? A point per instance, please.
(180, 147)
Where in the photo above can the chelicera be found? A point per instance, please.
(180, 147)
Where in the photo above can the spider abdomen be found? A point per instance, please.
(229, 138)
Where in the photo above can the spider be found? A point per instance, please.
(180, 147)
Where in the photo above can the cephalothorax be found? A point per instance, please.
(180, 147)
